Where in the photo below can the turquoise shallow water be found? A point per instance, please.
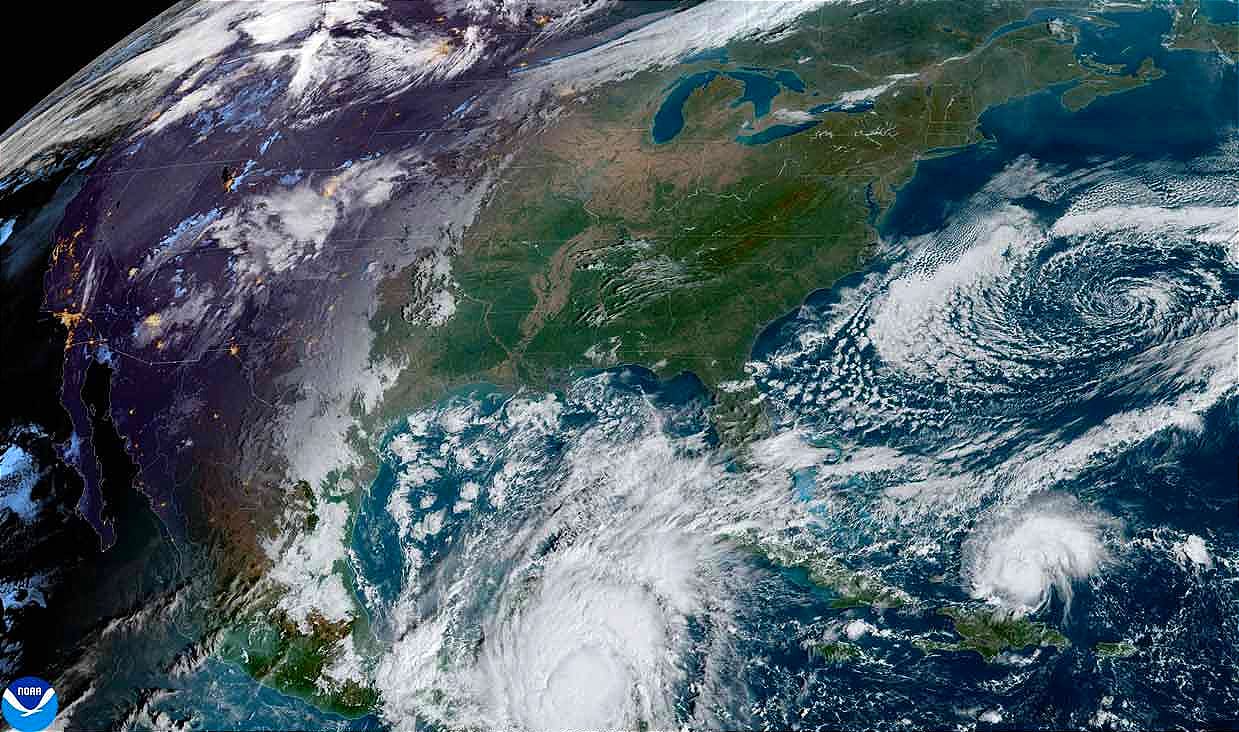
(1037, 350)
(1063, 319)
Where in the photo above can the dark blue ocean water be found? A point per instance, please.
(1182, 480)
(220, 696)
(381, 549)
(1186, 113)
(1221, 11)
(1190, 96)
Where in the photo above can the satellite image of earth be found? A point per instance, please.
(597, 365)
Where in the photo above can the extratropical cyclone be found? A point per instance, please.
(1055, 321)
(978, 484)
(1031, 300)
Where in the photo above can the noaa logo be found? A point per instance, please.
(29, 704)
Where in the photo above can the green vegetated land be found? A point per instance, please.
(984, 630)
(277, 653)
(851, 589)
(1116, 649)
(836, 653)
(601, 247)
(1105, 82)
(988, 633)
(1193, 30)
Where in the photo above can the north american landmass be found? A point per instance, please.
(250, 360)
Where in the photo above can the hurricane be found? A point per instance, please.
(551, 365)
(592, 556)
(1045, 547)
(588, 581)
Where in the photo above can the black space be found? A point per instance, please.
(47, 41)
